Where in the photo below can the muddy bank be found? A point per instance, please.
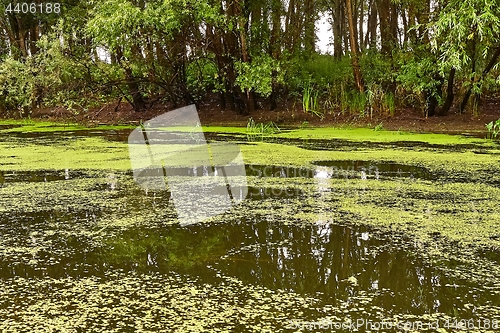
(211, 114)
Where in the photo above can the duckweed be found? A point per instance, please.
(82, 247)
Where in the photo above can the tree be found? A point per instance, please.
(466, 34)
(354, 48)
(182, 51)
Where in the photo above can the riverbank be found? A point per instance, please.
(210, 113)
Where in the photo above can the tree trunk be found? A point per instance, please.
(293, 26)
(309, 27)
(371, 31)
(354, 48)
(450, 96)
(275, 46)
(257, 26)
(394, 35)
(411, 33)
(245, 58)
(233, 51)
(298, 24)
(34, 33)
(21, 37)
(422, 15)
(337, 19)
(361, 22)
(432, 94)
(384, 14)
(133, 87)
(404, 40)
(486, 70)
(215, 45)
(288, 24)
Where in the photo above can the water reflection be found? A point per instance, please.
(324, 170)
(374, 170)
(323, 259)
(329, 261)
(44, 243)
(326, 258)
(37, 176)
(347, 169)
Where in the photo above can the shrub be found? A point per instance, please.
(17, 86)
(201, 75)
(258, 75)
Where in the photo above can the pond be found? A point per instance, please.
(349, 241)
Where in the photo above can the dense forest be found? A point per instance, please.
(427, 54)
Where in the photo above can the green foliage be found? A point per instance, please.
(493, 128)
(201, 76)
(181, 50)
(354, 102)
(258, 130)
(378, 99)
(329, 77)
(77, 81)
(379, 74)
(257, 75)
(417, 76)
(377, 68)
(379, 127)
(17, 85)
(56, 76)
(388, 103)
(460, 23)
(122, 23)
(463, 37)
(310, 101)
(327, 83)
(261, 128)
(324, 70)
(115, 23)
(148, 42)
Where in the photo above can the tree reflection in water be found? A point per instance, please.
(323, 259)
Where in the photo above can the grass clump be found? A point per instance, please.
(379, 127)
(310, 101)
(255, 130)
(493, 128)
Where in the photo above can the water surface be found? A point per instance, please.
(80, 232)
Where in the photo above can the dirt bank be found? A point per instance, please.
(212, 114)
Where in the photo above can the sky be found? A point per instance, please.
(324, 34)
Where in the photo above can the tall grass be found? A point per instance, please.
(330, 87)
(388, 103)
(258, 130)
(493, 128)
(354, 102)
(310, 100)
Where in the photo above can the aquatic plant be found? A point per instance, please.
(260, 129)
(379, 127)
(86, 217)
(377, 99)
(493, 128)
